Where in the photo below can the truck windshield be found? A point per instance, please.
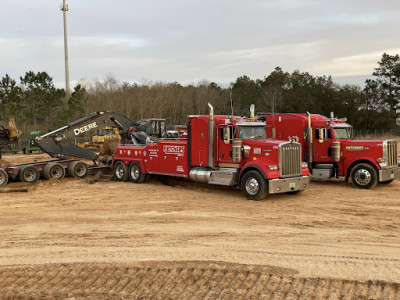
(342, 133)
(252, 132)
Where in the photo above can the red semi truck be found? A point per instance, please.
(219, 150)
(330, 151)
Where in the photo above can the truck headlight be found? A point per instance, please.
(304, 165)
(273, 167)
(382, 162)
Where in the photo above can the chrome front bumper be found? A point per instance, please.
(389, 174)
(279, 185)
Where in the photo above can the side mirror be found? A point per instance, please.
(227, 135)
(321, 135)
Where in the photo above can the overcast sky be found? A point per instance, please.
(192, 40)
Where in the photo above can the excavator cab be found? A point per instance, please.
(152, 127)
(102, 133)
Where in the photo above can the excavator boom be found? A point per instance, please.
(60, 142)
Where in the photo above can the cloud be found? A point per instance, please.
(186, 41)
(361, 64)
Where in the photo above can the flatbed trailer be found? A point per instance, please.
(31, 172)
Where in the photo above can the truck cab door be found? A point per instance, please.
(322, 145)
(225, 135)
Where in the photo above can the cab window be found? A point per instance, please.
(322, 134)
(252, 132)
(343, 133)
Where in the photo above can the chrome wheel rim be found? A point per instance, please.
(135, 172)
(362, 177)
(252, 186)
(119, 171)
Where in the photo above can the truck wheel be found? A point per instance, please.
(3, 177)
(77, 169)
(53, 170)
(364, 176)
(28, 174)
(253, 185)
(135, 173)
(121, 171)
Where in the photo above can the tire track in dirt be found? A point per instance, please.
(179, 280)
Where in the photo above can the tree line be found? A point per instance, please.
(37, 104)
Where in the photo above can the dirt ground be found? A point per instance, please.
(171, 239)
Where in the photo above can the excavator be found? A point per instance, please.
(60, 143)
(8, 136)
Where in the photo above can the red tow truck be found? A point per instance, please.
(219, 150)
(330, 151)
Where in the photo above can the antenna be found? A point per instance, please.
(230, 97)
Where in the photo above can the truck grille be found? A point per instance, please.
(290, 159)
(390, 152)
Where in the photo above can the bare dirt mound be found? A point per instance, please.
(180, 280)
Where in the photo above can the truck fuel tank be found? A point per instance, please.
(335, 146)
(323, 171)
(237, 150)
(222, 176)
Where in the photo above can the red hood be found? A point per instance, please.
(268, 143)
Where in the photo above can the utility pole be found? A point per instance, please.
(64, 9)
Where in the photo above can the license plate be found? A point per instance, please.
(292, 185)
(392, 175)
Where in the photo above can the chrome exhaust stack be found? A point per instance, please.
(310, 141)
(211, 136)
(252, 110)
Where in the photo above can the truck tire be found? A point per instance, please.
(53, 170)
(77, 169)
(253, 185)
(3, 177)
(135, 173)
(364, 176)
(121, 171)
(28, 174)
